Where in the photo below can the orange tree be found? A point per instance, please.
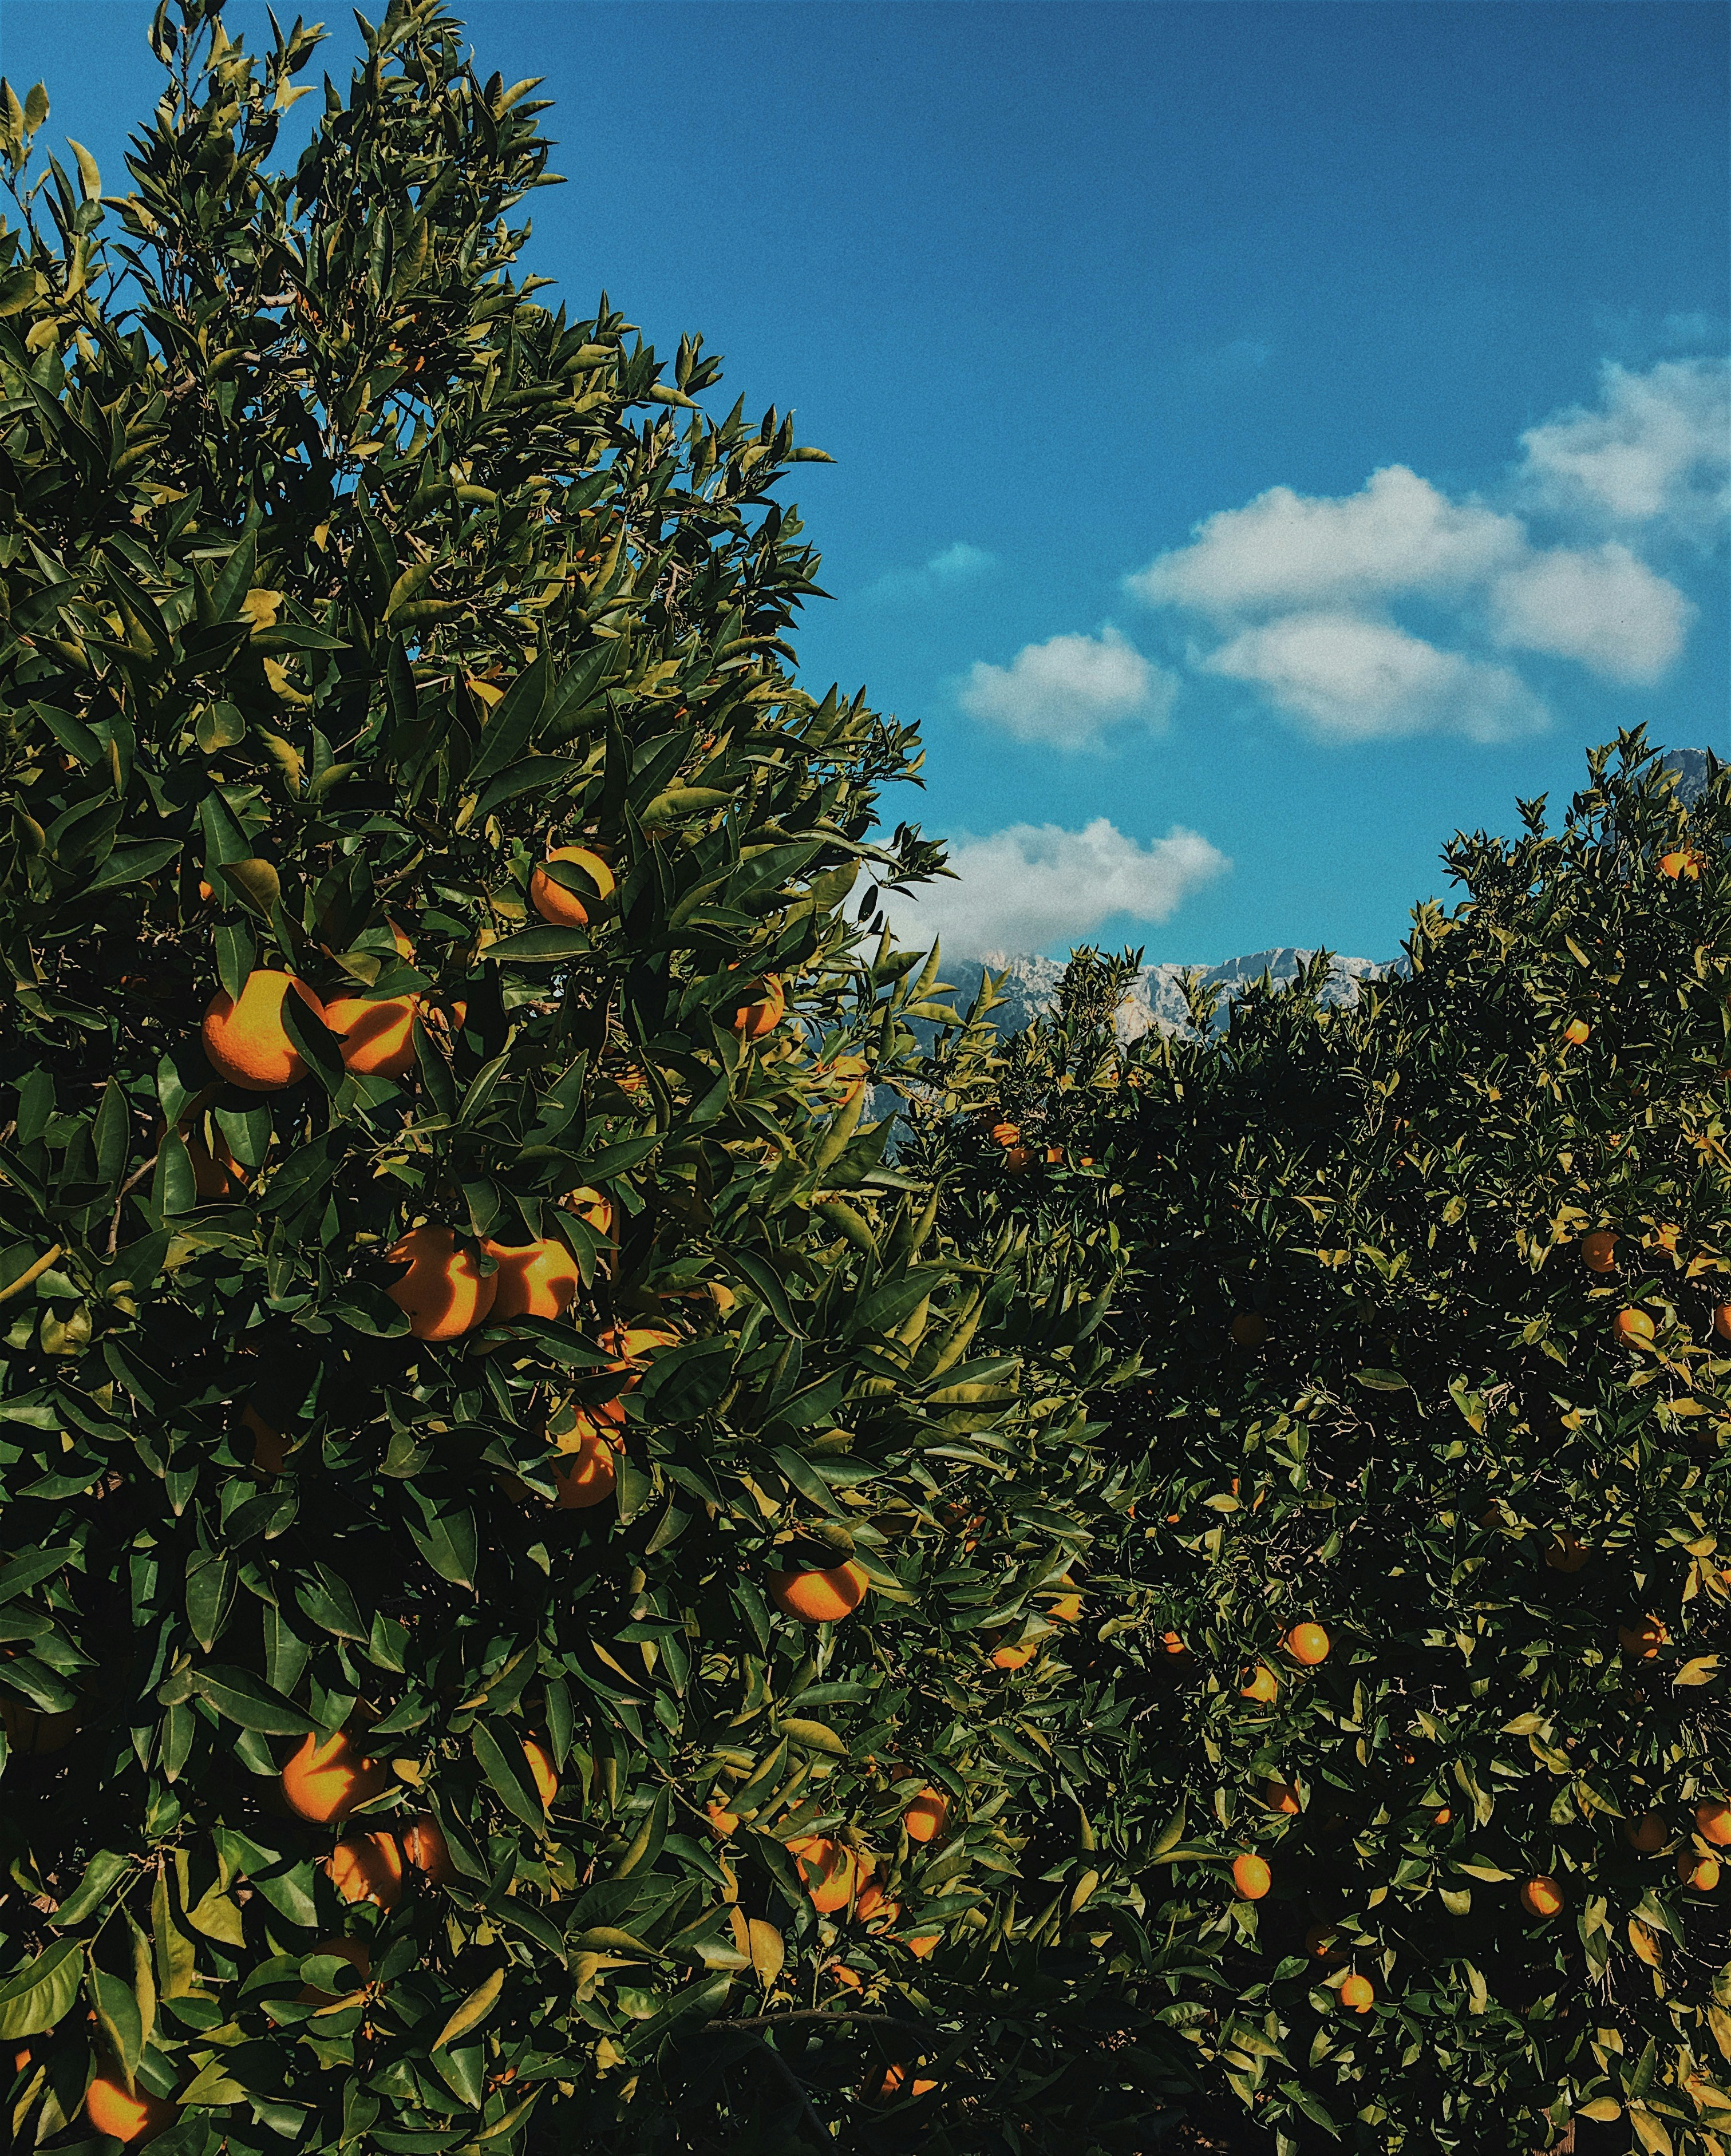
(518, 1523)
(1421, 1393)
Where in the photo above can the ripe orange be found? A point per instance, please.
(1542, 1896)
(589, 1478)
(1712, 1823)
(355, 1955)
(1064, 1608)
(563, 908)
(1700, 1873)
(1359, 1994)
(367, 1867)
(325, 1783)
(928, 1816)
(377, 1034)
(875, 1910)
(1014, 1655)
(246, 1041)
(1281, 1797)
(428, 1850)
(1055, 1156)
(1006, 1135)
(444, 1292)
(1576, 1032)
(723, 1823)
(1665, 1234)
(894, 2081)
(1635, 1327)
(590, 1205)
(1721, 1321)
(1309, 1643)
(1443, 1818)
(1252, 1877)
(762, 1007)
(1249, 1328)
(1263, 1686)
(541, 1771)
(269, 1451)
(534, 1280)
(1642, 1640)
(819, 1597)
(1178, 1655)
(827, 1871)
(1649, 1834)
(1599, 1252)
(848, 1979)
(1566, 1552)
(133, 2119)
(1682, 863)
(925, 1944)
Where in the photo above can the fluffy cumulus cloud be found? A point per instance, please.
(1348, 678)
(1037, 884)
(1657, 452)
(1069, 691)
(1598, 606)
(1397, 534)
(1299, 597)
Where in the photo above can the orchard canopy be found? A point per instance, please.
(619, 1529)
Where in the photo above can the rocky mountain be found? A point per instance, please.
(1029, 986)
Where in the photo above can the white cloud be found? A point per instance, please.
(1657, 452)
(1037, 884)
(1346, 679)
(1069, 690)
(1602, 607)
(1287, 550)
(960, 563)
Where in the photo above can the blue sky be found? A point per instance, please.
(1268, 436)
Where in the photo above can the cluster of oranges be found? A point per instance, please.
(1634, 1327)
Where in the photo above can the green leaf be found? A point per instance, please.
(473, 2011)
(247, 1700)
(539, 946)
(118, 2018)
(105, 1869)
(38, 1997)
(1381, 1381)
(499, 1756)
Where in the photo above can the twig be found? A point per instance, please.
(127, 1189)
(31, 1273)
(824, 2014)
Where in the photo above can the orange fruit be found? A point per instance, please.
(1006, 1135)
(591, 1206)
(1281, 1797)
(268, 1451)
(1055, 1156)
(1700, 1873)
(367, 1867)
(928, 1816)
(875, 1910)
(1599, 1252)
(541, 1771)
(1721, 1321)
(762, 1007)
(723, 1823)
(1175, 1649)
(849, 1979)
(819, 1597)
(1635, 1327)
(589, 1478)
(1358, 1993)
(1443, 1818)
(1263, 1685)
(1576, 1032)
(1542, 1896)
(425, 1847)
(924, 1944)
(355, 1955)
(1712, 1823)
(1649, 1834)
(898, 2080)
(1015, 1656)
(827, 1871)
(246, 1042)
(1642, 1640)
(1064, 1608)
(534, 1280)
(1309, 1643)
(1249, 1328)
(1252, 1877)
(563, 908)
(325, 1783)
(444, 1292)
(1566, 1552)
(133, 2119)
(1682, 863)
(1665, 1234)
(377, 1034)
